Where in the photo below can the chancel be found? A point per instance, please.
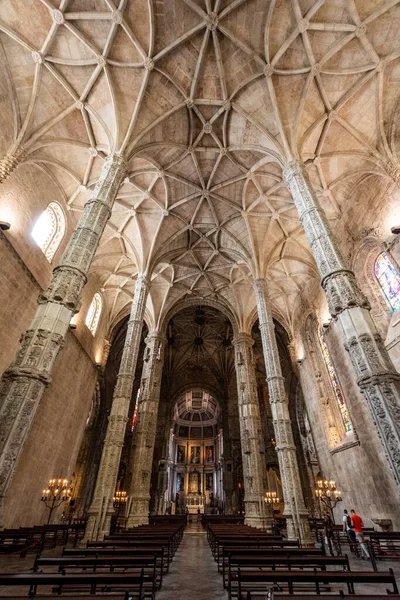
(200, 297)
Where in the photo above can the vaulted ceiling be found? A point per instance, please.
(208, 99)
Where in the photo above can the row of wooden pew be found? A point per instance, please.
(255, 564)
(131, 564)
(37, 538)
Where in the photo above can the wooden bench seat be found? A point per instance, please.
(110, 563)
(249, 581)
(251, 562)
(119, 552)
(275, 552)
(139, 543)
(130, 582)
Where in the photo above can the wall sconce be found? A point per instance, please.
(4, 226)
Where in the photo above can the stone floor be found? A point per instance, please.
(193, 572)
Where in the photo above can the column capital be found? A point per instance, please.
(155, 336)
(295, 167)
(243, 338)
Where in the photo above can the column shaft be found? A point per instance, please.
(145, 431)
(253, 453)
(24, 382)
(376, 376)
(102, 509)
(295, 511)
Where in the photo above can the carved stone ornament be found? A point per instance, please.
(98, 525)
(285, 446)
(377, 377)
(23, 384)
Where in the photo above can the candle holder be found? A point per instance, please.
(119, 499)
(271, 498)
(328, 494)
(57, 492)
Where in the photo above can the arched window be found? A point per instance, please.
(389, 280)
(334, 381)
(49, 230)
(94, 312)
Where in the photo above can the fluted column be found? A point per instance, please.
(145, 431)
(24, 382)
(252, 442)
(102, 509)
(376, 376)
(295, 510)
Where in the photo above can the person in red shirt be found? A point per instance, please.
(357, 523)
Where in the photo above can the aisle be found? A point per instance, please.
(193, 572)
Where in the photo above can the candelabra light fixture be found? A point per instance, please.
(271, 498)
(119, 499)
(57, 492)
(328, 494)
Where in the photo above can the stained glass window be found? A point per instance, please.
(389, 280)
(135, 412)
(49, 230)
(335, 382)
(94, 312)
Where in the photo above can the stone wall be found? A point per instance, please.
(361, 471)
(18, 295)
(52, 446)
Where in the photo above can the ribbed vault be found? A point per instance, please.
(208, 99)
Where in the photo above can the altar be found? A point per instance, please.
(194, 502)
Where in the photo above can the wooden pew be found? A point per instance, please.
(256, 553)
(279, 596)
(252, 581)
(162, 566)
(251, 562)
(96, 564)
(127, 581)
(135, 543)
(385, 545)
(116, 596)
(252, 543)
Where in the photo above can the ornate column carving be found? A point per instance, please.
(295, 510)
(145, 431)
(24, 382)
(102, 509)
(10, 162)
(376, 376)
(253, 454)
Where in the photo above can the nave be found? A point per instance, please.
(216, 558)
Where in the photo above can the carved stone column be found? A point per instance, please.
(145, 431)
(376, 376)
(253, 456)
(26, 379)
(295, 510)
(102, 509)
(10, 162)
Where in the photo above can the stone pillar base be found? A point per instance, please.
(258, 522)
(136, 521)
(299, 530)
